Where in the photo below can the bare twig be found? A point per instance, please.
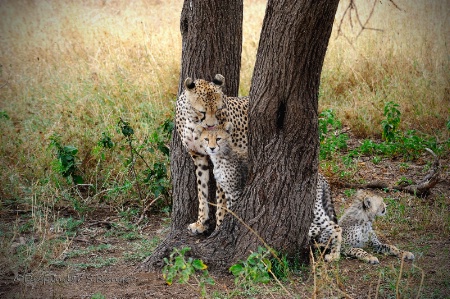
(352, 12)
(378, 286)
(146, 209)
(421, 280)
(397, 293)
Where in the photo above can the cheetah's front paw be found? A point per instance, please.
(406, 255)
(196, 228)
(332, 257)
(372, 260)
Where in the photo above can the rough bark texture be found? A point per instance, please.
(212, 42)
(211, 33)
(283, 139)
(283, 133)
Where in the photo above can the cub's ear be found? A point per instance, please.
(366, 203)
(189, 83)
(219, 80)
(359, 194)
(228, 127)
(198, 130)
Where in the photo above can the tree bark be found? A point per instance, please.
(211, 44)
(279, 195)
(283, 124)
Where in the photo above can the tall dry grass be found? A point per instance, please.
(74, 68)
(405, 60)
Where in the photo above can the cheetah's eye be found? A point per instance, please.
(206, 139)
(218, 139)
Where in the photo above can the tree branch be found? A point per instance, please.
(351, 9)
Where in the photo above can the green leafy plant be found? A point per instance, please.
(376, 160)
(3, 114)
(331, 139)
(349, 192)
(255, 269)
(66, 160)
(106, 141)
(155, 175)
(178, 266)
(391, 123)
(68, 225)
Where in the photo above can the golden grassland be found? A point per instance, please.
(74, 68)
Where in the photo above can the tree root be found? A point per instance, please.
(421, 188)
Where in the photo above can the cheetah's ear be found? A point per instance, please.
(360, 194)
(219, 80)
(228, 127)
(189, 83)
(198, 130)
(366, 203)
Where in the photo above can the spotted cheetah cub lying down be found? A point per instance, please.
(357, 232)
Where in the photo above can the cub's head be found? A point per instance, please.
(217, 140)
(372, 204)
(206, 99)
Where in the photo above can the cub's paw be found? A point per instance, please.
(196, 228)
(331, 257)
(372, 260)
(406, 255)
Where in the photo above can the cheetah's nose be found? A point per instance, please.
(212, 149)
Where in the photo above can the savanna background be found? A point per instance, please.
(87, 93)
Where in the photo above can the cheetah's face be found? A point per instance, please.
(373, 204)
(218, 140)
(206, 99)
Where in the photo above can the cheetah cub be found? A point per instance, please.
(230, 168)
(357, 232)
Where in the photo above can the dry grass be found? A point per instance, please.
(407, 62)
(74, 68)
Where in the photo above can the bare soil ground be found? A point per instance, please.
(421, 226)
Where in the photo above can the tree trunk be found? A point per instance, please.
(211, 33)
(278, 199)
(283, 125)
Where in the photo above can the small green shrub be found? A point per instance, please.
(392, 121)
(178, 266)
(98, 296)
(331, 139)
(3, 114)
(66, 160)
(255, 269)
